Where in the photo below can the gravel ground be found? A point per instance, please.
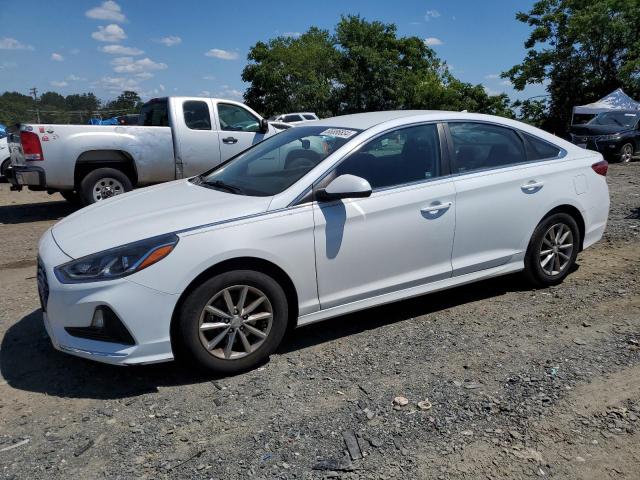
(500, 381)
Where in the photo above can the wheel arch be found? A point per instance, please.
(242, 263)
(574, 213)
(93, 159)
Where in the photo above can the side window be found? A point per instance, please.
(154, 113)
(402, 156)
(237, 119)
(479, 145)
(292, 118)
(196, 115)
(539, 149)
(308, 116)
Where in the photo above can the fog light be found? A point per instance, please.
(98, 319)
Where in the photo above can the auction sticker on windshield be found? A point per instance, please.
(338, 132)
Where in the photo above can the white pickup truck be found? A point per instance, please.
(176, 137)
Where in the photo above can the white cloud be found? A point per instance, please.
(432, 41)
(56, 57)
(109, 10)
(75, 78)
(144, 75)
(491, 91)
(209, 77)
(129, 65)
(492, 76)
(59, 84)
(117, 84)
(506, 83)
(7, 43)
(7, 65)
(121, 50)
(431, 14)
(228, 92)
(170, 41)
(161, 87)
(205, 93)
(110, 33)
(222, 54)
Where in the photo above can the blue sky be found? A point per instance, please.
(190, 47)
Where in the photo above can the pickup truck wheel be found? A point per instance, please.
(103, 183)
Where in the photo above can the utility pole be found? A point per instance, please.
(34, 92)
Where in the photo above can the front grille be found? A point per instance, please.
(43, 285)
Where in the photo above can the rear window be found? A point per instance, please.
(310, 117)
(291, 118)
(539, 149)
(155, 113)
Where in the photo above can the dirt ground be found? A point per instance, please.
(520, 382)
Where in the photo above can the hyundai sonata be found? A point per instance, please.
(315, 222)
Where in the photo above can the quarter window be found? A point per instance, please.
(236, 119)
(196, 115)
(402, 156)
(154, 113)
(479, 145)
(539, 149)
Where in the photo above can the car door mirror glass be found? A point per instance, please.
(345, 186)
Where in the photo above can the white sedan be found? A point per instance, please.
(358, 211)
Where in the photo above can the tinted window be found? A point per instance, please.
(278, 162)
(236, 119)
(154, 113)
(480, 145)
(196, 115)
(402, 156)
(539, 149)
(292, 118)
(309, 117)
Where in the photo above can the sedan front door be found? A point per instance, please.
(399, 237)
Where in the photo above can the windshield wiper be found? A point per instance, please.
(224, 186)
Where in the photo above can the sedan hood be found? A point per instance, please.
(148, 212)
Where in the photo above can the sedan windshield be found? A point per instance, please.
(621, 119)
(275, 164)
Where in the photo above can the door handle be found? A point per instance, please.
(531, 186)
(435, 208)
(230, 140)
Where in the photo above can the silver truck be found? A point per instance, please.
(176, 137)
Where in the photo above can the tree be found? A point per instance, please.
(364, 66)
(127, 102)
(584, 49)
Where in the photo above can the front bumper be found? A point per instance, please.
(606, 147)
(146, 313)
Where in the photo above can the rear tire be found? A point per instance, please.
(552, 250)
(216, 330)
(103, 183)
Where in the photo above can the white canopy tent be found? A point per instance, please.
(616, 100)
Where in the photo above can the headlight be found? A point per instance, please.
(117, 262)
(615, 136)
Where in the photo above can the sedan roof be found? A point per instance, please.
(363, 121)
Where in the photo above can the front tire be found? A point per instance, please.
(233, 321)
(103, 183)
(626, 153)
(552, 250)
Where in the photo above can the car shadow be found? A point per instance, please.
(28, 361)
(35, 212)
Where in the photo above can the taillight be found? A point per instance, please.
(601, 167)
(31, 146)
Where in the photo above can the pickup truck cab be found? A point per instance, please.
(176, 137)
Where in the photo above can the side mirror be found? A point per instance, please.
(345, 186)
(264, 125)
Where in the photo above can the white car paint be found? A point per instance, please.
(340, 256)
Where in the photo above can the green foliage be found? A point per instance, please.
(363, 66)
(584, 49)
(127, 102)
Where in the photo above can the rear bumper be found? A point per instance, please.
(30, 176)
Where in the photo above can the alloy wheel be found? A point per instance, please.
(556, 249)
(107, 187)
(626, 153)
(235, 322)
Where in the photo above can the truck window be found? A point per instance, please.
(154, 113)
(196, 115)
(236, 119)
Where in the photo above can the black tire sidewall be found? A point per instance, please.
(621, 152)
(89, 181)
(187, 329)
(533, 269)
